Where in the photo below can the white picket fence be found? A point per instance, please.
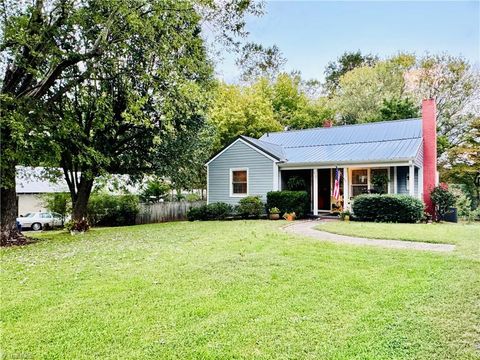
(165, 211)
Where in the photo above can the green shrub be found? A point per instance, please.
(250, 206)
(443, 199)
(388, 208)
(214, 211)
(112, 210)
(154, 191)
(197, 213)
(219, 211)
(289, 201)
(192, 197)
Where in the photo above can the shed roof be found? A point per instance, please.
(373, 142)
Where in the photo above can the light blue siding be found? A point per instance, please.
(239, 155)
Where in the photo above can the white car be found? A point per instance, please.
(39, 220)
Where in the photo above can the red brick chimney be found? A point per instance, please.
(429, 131)
(328, 123)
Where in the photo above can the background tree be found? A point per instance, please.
(455, 85)
(154, 190)
(345, 63)
(60, 203)
(241, 110)
(395, 109)
(361, 92)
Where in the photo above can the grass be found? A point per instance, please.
(462, 234)
(224, 290)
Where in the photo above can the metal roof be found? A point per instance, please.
(372, 142)
(272, 149)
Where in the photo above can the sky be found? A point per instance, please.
(312, 33)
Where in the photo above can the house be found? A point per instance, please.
(404, 151)
(32, 185)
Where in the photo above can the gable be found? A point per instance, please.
(240, 148)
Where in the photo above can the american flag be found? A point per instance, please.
(336, 187)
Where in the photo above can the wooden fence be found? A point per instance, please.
(165, 211)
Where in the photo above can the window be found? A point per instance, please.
(359, 182)
(46, 216)
(379, 180)
(239, 182)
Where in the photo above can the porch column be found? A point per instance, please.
(411, 180)
(420, 183)
(346, 188)
(315, 191)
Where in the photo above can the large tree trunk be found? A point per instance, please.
(8, 209)
(80, 200)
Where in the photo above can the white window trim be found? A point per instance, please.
(369, 177)
(231, 182)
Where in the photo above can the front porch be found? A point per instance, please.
(361, 179)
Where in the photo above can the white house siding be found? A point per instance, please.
(239, 155)
(30, 203)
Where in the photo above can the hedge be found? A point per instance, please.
(250, 206)
(214, 211)
(388, 208)
(289, 201)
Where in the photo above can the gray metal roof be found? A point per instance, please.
(272, 149)
(372, 142)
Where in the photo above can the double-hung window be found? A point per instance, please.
(238, 182)
(359, 182)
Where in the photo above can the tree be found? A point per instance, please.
(361, 92)
(455, 85)
(345, 63)
(398, 109)
(51, 48)
(241, 111)
(461, 164)
(58, 202)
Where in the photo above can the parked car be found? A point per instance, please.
(39, 220)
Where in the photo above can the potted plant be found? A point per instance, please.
(274, 213)
(289, 216)
(345, 215)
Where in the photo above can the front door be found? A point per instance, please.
(324, 189)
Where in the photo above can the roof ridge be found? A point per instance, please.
(336, 127)
(350, 143)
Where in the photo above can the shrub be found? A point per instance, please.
(250, 206)
(219, 211)
(192, 197)
(214, 211)
(289, 201)
(80, 226)
(197, 213)
(388, 208)
(443, 199)
(112, 210)
(60, 203)
(154, 191)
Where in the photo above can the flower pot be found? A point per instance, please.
(274, 216)
(289, 217)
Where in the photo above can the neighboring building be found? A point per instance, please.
(403, 150)
(32, 186)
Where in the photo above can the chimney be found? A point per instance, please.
(328, 123)
(429, 133)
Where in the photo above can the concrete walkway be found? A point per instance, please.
(306, 228)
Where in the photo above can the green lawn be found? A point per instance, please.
(243, 289)
(464, 235)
